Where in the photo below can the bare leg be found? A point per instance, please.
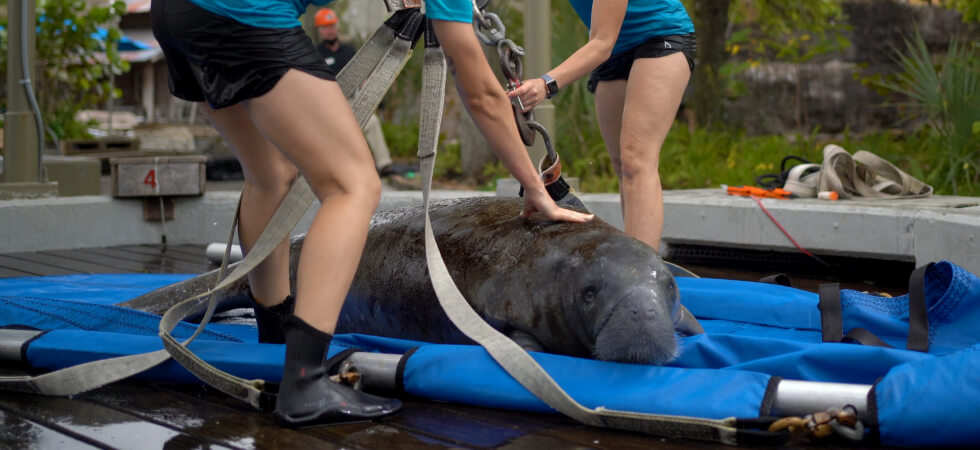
(650, 104)
(610, 96)
(268, 175)
(304, 122)
(309, 120)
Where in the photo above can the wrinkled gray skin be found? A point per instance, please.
(576, 289)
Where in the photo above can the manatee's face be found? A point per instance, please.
(622, 304)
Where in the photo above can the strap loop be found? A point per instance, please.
(831, 316)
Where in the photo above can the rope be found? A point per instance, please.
(786, 233)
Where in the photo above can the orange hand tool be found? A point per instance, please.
(755, 191)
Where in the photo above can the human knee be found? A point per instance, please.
(366, 194)
(363, 190)
(638, 160)
(271, 179)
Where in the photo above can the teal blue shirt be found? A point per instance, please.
(285, 13)
(645, 19)
(452, 10)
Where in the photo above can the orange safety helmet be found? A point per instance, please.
(325, 17)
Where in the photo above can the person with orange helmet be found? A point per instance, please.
(335, 52)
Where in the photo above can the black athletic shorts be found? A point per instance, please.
(618, 66)
(222, 61)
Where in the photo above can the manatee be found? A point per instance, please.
(578, 289)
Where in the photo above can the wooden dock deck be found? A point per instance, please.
(141, 415)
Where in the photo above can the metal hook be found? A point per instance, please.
(552, 155)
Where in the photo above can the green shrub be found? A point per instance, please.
(947, 96)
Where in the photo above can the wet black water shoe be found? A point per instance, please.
(308, 397)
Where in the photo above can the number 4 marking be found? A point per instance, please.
(151, 178)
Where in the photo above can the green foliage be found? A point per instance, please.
(969, 8)
(775, 30)
(947, 96)
(448, 161)
(705, 158)
(73, 67)
(402, 138)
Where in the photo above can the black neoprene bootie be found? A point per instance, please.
(271, 320)
(307, 396)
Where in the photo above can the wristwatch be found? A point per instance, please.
(551, 85)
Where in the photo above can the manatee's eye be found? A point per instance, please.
(588, 295)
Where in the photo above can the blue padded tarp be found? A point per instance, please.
(754, 331)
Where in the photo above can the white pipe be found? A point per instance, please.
(799, 398)
(215, 252)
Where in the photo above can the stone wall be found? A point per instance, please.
(788, 98)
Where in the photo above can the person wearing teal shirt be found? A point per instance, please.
(641, 55)
(259, 80)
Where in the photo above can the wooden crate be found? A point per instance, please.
(116, 145)
(153, 176)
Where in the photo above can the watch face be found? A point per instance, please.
(551, 85)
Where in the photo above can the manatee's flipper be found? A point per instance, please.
(679, 271)
(687, 324)
(527, 341)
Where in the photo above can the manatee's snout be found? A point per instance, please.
(638, 329)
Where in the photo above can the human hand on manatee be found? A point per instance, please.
(540, 201)
(531, 93)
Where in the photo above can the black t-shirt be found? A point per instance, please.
(336, 60)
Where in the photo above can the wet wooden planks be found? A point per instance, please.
(138, 415)
(126, 259)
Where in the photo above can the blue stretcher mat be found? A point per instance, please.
(755, 332)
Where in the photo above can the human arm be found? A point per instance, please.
(607, 19)
(490, 109)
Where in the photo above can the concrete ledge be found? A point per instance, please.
(915, 230)
(64, 223)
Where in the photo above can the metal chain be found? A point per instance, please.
(842, 421)
(490, 30)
